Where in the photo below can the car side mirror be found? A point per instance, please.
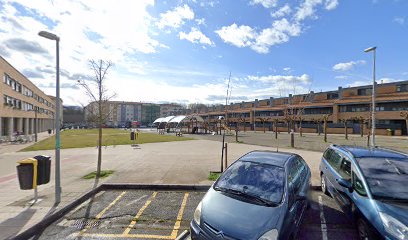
(345, 183)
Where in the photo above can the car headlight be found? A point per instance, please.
(270, 235)
(197, 213)
(394, 227)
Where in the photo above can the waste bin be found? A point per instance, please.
(27, 173)
(132, 136)
(44, 169)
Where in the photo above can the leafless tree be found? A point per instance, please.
(345, 121)
(242, 120)
(325, 119)
(263, 120)
(98, 111)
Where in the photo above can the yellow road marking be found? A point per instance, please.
(179, 217)
(108, 235)
(133, 223)
(103, 211)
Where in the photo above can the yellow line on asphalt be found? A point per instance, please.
(108, 235)
(103, 212)
(133, 223)
(179, 217)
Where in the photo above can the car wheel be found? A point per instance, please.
(364, 230)
(323, 183)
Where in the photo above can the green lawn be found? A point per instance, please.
(81, 138)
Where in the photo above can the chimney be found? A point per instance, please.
(340, 92)
(271, 102)
(311, 96)
(256, 103)
(290, 99)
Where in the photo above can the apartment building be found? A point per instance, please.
(22, 105)
(351, 105)
(118, 113)
(171, 110)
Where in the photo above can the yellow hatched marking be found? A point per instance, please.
(179, 217)
(133, 223)
(103, 212)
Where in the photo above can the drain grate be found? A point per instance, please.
(81, 224)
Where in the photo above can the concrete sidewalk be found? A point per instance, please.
(186, 162)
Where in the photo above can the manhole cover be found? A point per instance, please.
(81, 224)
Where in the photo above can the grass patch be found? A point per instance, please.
(213, 176)
(104, 174)
(80, 138)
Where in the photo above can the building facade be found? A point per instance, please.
(351, 106)
(117, 113)
(171, 110)
(150, 112)
(22, 105)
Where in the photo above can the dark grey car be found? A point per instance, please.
(263, 195)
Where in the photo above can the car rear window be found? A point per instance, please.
(386, 177)
(263, 180)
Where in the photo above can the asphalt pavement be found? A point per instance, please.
(143, 214)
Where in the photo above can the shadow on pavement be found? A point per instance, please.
(10, 227)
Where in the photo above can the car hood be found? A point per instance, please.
(235, 218)
(398, 211)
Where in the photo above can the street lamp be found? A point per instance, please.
(54, 37)
(372, 49)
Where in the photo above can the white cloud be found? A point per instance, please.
(281, 12)
(241, 36)
(399, 20)
(307, 9)
(341, 77)
(280, 32)
(287, 69)
(196, 36)
(245, 36)
(331, 4)
(176, 17)
(282, 78)
(265, 3)
(200, 21)
(345, 66)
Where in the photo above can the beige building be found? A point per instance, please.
(171, 110)
(117, 113)
(21, 103)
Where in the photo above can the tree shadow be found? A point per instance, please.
(12, 226)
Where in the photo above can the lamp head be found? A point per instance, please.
(370, 49)
(48, 35)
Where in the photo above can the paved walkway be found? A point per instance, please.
(186, 162)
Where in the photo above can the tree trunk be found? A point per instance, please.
(361, 129)
(325, 130)
(276, 130)
(300, 128)
(346, 129)
(263, 125)
(406, 124)
(99, 166)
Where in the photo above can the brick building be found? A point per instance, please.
(352, 104)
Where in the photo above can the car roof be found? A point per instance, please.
(274, 158)
(360, 152)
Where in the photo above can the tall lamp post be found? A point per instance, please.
(372, 49)
(54, 37)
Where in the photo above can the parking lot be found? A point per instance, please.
(143, 214)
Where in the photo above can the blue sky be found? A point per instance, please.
(183, 51)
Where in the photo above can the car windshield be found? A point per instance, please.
(387, 178)
(260, 180)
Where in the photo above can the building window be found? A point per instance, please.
(355, 108)
(332, 95)
(364, 91)
(402, 88)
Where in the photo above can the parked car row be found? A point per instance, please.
(264, 195)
